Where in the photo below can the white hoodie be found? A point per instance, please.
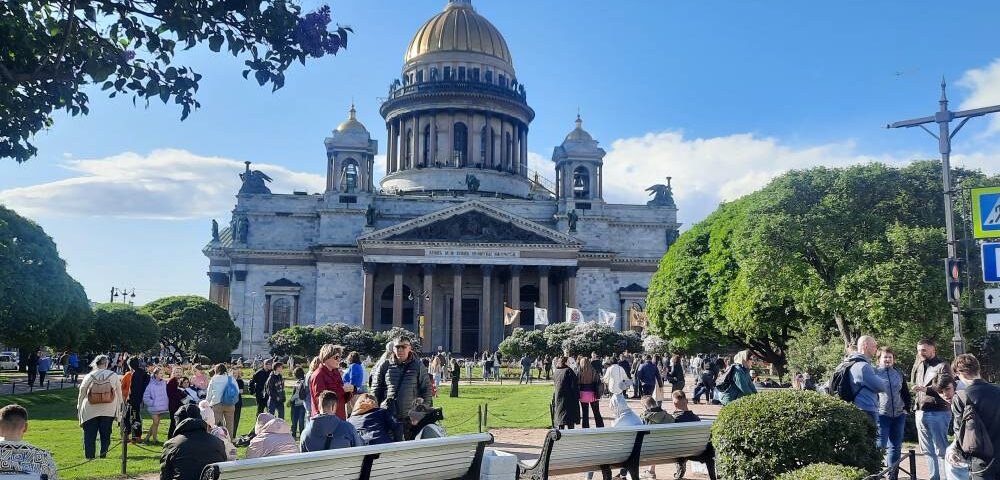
(613, 377)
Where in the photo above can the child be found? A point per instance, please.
(654, 415)
(683, 415)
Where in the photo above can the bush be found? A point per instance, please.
(523, 342)
(760, 436)
(825, 471)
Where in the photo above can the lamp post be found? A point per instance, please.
(128, 296)
(943, 118)
(253, 306)
(420, 324)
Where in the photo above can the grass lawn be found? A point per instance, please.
(53, 425)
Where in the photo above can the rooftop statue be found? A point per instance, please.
(663, 195)
(472, 182)
(253, 181)
(571, 219)
(215, 230)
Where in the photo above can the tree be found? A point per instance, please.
(39, 302)
(523, 342)
(555, 335)
(191, 325)
(604, 340)
(122, 328)
(53, 49)
(306, 340)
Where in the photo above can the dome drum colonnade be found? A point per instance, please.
(457, 106)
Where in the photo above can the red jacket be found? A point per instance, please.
(325, 379)
(175, 396)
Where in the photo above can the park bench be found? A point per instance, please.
(448, 458)
(590, 449)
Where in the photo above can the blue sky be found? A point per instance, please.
(720, 95)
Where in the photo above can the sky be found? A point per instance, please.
(720, 95)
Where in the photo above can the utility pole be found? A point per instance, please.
(943, 118)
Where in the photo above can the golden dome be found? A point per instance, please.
(352, 124)
(459, 29)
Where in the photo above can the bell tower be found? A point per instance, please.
(579, 170)
(350, 153)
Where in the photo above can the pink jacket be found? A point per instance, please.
(273, 437)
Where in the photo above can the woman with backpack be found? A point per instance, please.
(222, 395)
(98, 405)
(157, 404)
(300, 395)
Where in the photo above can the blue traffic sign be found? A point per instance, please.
(991, 262)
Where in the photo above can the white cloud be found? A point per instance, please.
(706, 171)
(984, 90)
(166, 184)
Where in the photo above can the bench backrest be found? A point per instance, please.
(571, 451)
(445, 458)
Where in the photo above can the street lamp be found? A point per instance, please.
(253, 306)
(127, 295)
(425, 295)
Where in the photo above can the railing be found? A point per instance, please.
(435, 86)
(541, 182)
(910, 457)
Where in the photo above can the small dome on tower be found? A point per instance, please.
(579, 134)
(352, 124)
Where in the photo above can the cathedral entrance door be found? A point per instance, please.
(470, 326)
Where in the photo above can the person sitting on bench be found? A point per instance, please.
(327, 431)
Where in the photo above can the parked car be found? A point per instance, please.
(12, 355)
(8, 362)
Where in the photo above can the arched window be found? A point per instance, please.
(461, 143)
(408, 148)
(426, 153)
(281, 314)
(581, 182)
(349, 176)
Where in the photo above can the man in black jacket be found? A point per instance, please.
(140, 379)
(191, 449)
(257, 384)
(986, 398)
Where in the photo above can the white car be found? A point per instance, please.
(7, 362)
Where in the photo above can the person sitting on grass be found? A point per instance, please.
(191, 449)
(272, 437)
(682, 415)
(327, 431)
(16, 455)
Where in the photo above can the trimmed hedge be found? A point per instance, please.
(761, 436)
(825, 471)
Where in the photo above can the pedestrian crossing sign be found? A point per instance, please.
(986, 212)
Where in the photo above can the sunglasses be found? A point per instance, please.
(402, 347)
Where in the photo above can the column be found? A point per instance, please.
(571, 286)
(415, 156)
(515, 287)
(397, 294)
(449, 144)
(434, 143)
(456, 309)
(524, 149)
(476, 138)
(428, 307)
(267, 316)
(393, 147)
(516, 148)
(388, 148)
(543, 286)
(488, 123)
(486, 317)
(368, 301)
(295, 310)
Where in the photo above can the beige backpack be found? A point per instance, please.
(101, 391)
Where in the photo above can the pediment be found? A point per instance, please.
(472, 222)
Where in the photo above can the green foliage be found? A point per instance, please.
(605, 340)
(524, 342)
(825, 471)
(555, 335)
(760, 436)
(122, 328)
(306, 340)
(191, 325)
(654, 344)
(39, 302)
(52, 50)
(817, 350)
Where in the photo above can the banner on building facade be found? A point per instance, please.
(541, 316)
(637, 318)
(510, 315)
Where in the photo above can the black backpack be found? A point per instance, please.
(840, 383)
(973, 439)
(726, 382)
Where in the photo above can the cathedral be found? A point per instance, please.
(458, 231)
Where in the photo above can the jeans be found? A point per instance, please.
(596, 407)
(702, 390)
(958, 473)
(91, 429)
(890, 437)
(41, 377)
(298, 419)
(932, 431)
(276, 406)
(525, 376)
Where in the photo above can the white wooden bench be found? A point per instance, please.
(449, 458)
(605, 449)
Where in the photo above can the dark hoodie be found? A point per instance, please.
(192, 448)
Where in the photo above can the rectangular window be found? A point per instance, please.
(489, 76)
(447, 73)
(503, 80)
(434, 73)
(475, 74)
(420, 76)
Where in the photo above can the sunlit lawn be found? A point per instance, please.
(53, 425)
